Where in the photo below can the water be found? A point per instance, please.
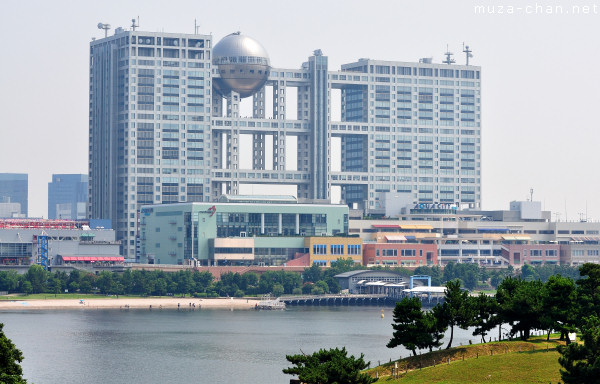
(203, 346)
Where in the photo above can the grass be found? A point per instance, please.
(498, 362)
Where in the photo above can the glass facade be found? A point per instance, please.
(14, 189)
(68, 196)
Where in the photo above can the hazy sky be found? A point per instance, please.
(540, 77)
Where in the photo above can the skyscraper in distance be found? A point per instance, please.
(68, 196)
(166, 126)
(14, 188)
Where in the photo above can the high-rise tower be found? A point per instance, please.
(166, 126)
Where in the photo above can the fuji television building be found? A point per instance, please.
(165, 126)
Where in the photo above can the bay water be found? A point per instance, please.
(201, 346)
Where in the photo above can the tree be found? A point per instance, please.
(312, 274)
(520, 304)
(588, 291)
(329, 367)
(581, 362)
(456, 308)
(10, 357)
(278, 290)
(436, 325)
(37, 277)
(411, 326)
(529, 273)
(559, 306)
(484, 309)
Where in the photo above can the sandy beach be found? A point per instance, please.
(130, 303)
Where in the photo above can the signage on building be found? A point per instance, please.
(436, 206)
(212, 210)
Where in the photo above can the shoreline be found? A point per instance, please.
(130, 303)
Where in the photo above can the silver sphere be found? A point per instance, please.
(243, 65)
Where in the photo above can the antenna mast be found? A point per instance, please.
(106, 27)
(449, 60)
(467, 52)
(196, 26)
(134, 25)
(531, 194)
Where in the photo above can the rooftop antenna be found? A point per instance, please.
(196, 26)
(531, 194)
(134, 25)
(467, 52)
(449, 60)
(106, 27)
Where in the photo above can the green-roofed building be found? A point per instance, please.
(241, 230)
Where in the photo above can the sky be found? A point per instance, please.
(540, 77)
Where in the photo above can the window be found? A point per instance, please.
(592, 252)
(389, 252)
(551, 252)
(319, 249)
(354, 249)
(337, 249)
(408, 252)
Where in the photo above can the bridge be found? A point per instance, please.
(332, 300)
(427, 300)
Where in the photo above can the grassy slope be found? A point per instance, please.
(506, 365)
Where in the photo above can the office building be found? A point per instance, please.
(14, 190)
(245, 230)
(166, 126)
(68, 196)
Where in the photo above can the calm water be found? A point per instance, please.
(204, 346)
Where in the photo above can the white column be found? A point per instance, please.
(279, 229)
(262, 223)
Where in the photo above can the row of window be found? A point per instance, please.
(336, 249)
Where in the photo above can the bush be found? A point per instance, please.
(239, 293)
(297, 291)
(199, 294)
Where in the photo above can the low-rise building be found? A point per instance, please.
(523, 234)
(327, 250)
(239, 230)
(25, 241)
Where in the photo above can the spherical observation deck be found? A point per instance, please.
(243, 65)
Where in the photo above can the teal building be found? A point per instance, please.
(237, 230)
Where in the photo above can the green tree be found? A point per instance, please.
(27, 287)
(436, 324)
(9, 281)
(278, 290)
(456, 308)
(521, 305)
(529, 273)
(105, 282)
(37, 277)
(484, 310)
(312, 274)
(411, 327)
(581, 362)
(331, 366)
(560, 306)
(10, 357)
(588, 291)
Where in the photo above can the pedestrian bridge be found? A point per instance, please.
(331, 300)
(358, 299)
